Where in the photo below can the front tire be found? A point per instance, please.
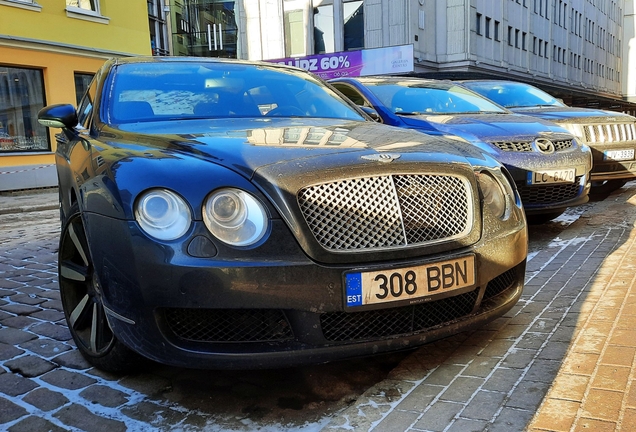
(83, 305)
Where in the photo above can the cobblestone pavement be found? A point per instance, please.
(562, 359)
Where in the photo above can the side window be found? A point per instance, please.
(85, 108)
(352, 94)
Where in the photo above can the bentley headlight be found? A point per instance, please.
(495, 196)
(162, 214)
(235, 217)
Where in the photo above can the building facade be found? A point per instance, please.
(49, 51)
(577, 49)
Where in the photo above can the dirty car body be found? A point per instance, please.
(550, 168)
(226, 214)
(611, 135)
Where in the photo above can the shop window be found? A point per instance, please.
(21, 97)
(353, 25)
(82, 81)
(294, 33)
(323, 29)
(346, 34)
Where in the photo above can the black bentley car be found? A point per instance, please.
(227, 214)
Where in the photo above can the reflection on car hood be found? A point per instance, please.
(575, 115)
(245, 145)
(489, 127)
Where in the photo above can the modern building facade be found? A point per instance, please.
(576, 49)
(49, 51)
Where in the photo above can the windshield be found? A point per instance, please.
(514, 95)
(413, 99)
(157, 91)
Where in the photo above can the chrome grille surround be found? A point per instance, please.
(610, 132)
(391, 211)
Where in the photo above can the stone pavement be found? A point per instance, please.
(562, 360)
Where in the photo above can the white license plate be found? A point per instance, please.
(411, 283)
(618, 155)
(552, 176)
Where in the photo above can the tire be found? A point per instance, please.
(542, 218)
(82, 302)
(604, 188)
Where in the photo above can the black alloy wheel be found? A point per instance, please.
(82, 302)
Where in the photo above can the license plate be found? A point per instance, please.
(414, 284)
(618, 155)
(552, 176)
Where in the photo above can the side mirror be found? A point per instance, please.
(58, 116)
(370, 112)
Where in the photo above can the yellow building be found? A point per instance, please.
(49, 51)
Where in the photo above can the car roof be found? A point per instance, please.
(186, 59)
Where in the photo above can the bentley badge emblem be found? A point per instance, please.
(382, 157)
(545, 145)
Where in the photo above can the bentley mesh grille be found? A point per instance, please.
(387, 211)
(523, 146)
(609, 133)
(347, 326)
(228, 325)
(533, 194)
(500, 284)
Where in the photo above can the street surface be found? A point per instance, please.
(493, 379)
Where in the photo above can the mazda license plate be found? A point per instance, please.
(566, 175)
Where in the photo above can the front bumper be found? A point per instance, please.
(608, 169)
(280, 308)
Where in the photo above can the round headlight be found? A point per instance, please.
(162, 214)
(494, 195)
(235, 217)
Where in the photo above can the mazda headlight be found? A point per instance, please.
(235, 217)
(496, 196)
(162, 214)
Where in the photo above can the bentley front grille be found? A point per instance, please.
(349, 326)
(610, 133)
(553, 193)
(387, 211)
(228, 325)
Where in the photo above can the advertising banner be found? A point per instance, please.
(376, 61)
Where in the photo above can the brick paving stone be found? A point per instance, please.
(444, 375)
(72, 360)
(595, 425)
(398, 421)
(27, 299)
(543, 370)
(519, 358)
(531, 341)
(152, 413)
(68, 380)
(557, 415)
(569, 387)
(34, 424)
(53, 331)
(15, 385)
(497, 348)
(29, 366)
(439, 416)
(467, 425)
(580, 363)
(611, 377)
(602, 404)
(484, 405)
(528, 395)
(13, 336)
(502, 380)
(53, 304)
(461, 389)
(4, 315)
(20, 309)
(49, 315)
(623, 337)
(554, 351)
(420, 397)
(8, 351)
(45, 347)
(103, 395)
(511, 419)
(80, 417)
(481, 367)
(19, 322)
(45, 399)
(10, 411)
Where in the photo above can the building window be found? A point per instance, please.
(21, 97)
(89, 5)
(353, 25)
(516, 38)
(523, 40)
(82, 81)
(510, 35)
(488, 27)
(478, 24)
(497, 37)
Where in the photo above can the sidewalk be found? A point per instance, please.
(562, 360)
(36, 200)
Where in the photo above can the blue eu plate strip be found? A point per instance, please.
(353, 282)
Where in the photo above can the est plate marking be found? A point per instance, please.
(411, 283)
(619, 155)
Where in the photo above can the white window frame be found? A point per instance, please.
(87, 14)
(22, 4)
